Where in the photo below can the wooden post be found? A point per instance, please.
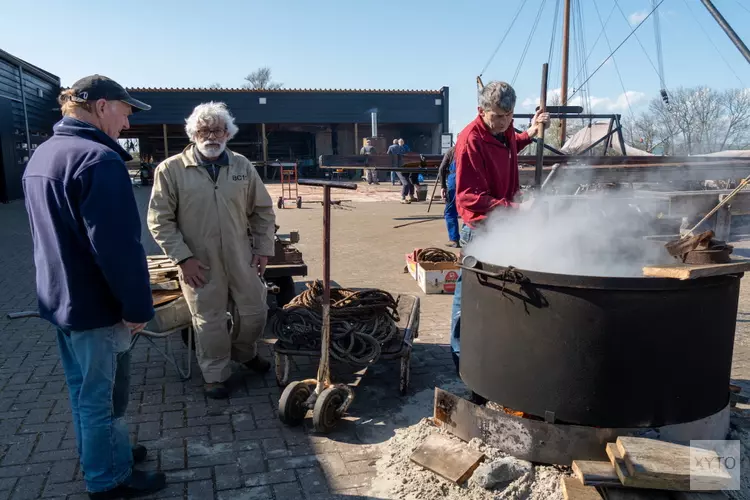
(564, 87)
(723, 224)
(166, 142)
(540, 141)
(356, 138)
(265, 150)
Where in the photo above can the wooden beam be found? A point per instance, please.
(166, 141)
(265, 150)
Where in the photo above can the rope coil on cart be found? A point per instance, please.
(361, 322)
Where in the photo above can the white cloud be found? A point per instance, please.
(637, 17)
(618, 104)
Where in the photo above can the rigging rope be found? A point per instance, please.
(528, 42)
(580, 71)
(554, 32)
(436, 255)
(645, 52)
(520, 7)
(619, 75)
(659, 55)
(713, 44)
(618, 47)
(361, 323)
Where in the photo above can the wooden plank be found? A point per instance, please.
(621, 469)
(595, 473)
(162, 297)
(573, 490)
(664, 465)
(447, 457)
(165, 285)
(685, 272)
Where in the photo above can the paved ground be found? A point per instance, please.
(235, 449)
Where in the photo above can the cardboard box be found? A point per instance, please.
(437, 277)
(411, 264)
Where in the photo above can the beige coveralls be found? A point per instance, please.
(191, 216)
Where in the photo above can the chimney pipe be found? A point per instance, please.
(374, 116)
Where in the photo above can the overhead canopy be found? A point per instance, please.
(594, 132)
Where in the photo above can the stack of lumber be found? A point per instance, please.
(163, 273)
(641, 468)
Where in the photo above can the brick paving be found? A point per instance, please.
(237, 448)
(233, 449)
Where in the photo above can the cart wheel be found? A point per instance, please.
(325, 413)
(292, 407)
(280, 202)
(299, 202)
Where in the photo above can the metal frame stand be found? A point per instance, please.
(328, 401)
(169, 354)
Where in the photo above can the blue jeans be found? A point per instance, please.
(97, 371)
(450, 213)
(407, 188)
(466, 235)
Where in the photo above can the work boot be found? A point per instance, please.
(138, 484)
(453, 244)
(216, 390)
(139, 453)
(258, 364)
(405, 201)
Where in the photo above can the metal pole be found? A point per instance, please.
(356, 138)
(25, 113)
(727, 29)
(540, 141)
(166, 142)
(374, 118)
(564, 87)
(323, 372)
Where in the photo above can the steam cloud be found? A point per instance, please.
(601, 235)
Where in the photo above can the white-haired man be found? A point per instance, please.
(202, 204)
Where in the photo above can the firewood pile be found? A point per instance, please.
(163, 273)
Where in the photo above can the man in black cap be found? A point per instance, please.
(91, 275)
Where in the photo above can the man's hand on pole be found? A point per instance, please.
(192, 274)
(539, 118)
(260, 261)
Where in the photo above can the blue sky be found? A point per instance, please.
(406, 44)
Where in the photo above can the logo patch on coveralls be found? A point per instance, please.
(242, 177)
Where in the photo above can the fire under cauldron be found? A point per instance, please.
(604, 352)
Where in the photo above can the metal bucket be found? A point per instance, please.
(596, 351)
(170, 316)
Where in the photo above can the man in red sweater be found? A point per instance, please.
(487, 171)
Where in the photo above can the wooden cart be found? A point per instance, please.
(399, 347)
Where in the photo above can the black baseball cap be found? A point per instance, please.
(91, 88)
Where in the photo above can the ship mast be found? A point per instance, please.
(565, 53)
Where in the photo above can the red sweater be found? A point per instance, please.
(486, 170)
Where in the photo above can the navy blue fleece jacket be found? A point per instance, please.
(91, 269)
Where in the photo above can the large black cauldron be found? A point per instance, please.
(604, 352)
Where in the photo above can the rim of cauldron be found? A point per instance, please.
(540, 278)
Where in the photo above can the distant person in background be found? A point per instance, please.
(447, 174)
(407, 188)
(370, 173)
(393, 174)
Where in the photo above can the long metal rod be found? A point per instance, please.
(565, 53)
(743, 184)
(166, 141)
(727, 29)
(540, 140)
(599, 141)
(25, 112)
(325, 345)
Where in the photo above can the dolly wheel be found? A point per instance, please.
(325, 413)
(299, 202)
(292, 409)
(280, 202)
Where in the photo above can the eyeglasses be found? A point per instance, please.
(204, 132)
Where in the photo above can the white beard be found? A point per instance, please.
(211, 149)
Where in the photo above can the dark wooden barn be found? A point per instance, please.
(298, 124)
(28, 110)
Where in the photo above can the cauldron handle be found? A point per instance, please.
(502, 276)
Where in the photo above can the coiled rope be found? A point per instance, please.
(361, 322)
(436, 255)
